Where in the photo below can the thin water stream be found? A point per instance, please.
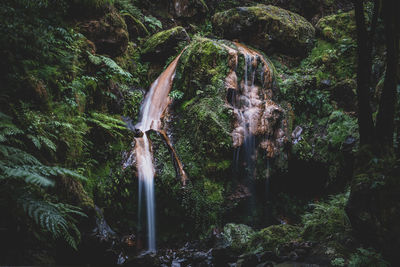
(152, 110)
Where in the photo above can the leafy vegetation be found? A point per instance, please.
(69, 102)
(24, 173)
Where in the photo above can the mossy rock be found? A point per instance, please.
(268, 28)
(200, 123)
(272, 237)
(204, 123)
(237, 236)
(135, 27)
(164, 44)
(338, 26)
(109, 33)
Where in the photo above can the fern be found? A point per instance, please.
(110, 64)
(20, 165)
(56, 218)
(327, 219)
(112, 125)
(153, 23)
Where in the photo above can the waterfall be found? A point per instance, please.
(257, 117)
(151, 112)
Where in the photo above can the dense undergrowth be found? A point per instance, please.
(65, 108)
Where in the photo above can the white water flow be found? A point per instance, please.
(250, 99)
(153, 108)
(247, 107)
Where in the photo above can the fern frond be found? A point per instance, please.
(110, 64)
(48, 143)
(7, 128)
(113, 125)
(27, 174)
(57, 218)
(34, 140)
(17, 156)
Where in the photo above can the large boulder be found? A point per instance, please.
(210, 74)
(109, 33)
(164, 44)
(200, 124)
(268, 28)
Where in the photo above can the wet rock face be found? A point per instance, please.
(268, 28)
(252, 99)
(164, 44)
(108, 33)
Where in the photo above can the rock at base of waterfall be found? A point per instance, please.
(138, 133)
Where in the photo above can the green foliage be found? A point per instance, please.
(200, 77)
(127, 6)
(367, 257)
(203, 204)
(132, 103)
(205, 28)
(327, 220)
(338, 262)
(109, 68)
(153, 23)
(61, 128)
(111, 124)
(175, 94)
(18, 164)
(272, 237)
(57, 218)
(237, 236)
(61, 100)
(340, 127)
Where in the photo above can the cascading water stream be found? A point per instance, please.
(153, 107)
(256, 116)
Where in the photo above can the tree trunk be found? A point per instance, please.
(387, 104)
(365, 123)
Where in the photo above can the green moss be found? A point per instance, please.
(338, 26)
(280, 28)
(159, 38)
(200, 76)
(137, 24)
(272, 237)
